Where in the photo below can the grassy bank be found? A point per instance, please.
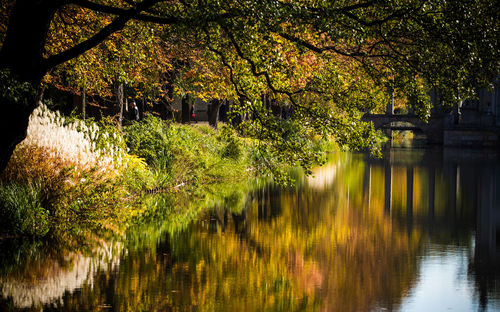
(71, 177)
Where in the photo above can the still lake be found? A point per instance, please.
(418, 230)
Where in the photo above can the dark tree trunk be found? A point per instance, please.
(163, 106)
(23, 47)
(168, 104)
(22, 55)
(213, 114)
(13, 125)
(276, 109)
(186, 109)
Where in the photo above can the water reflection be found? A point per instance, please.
(459, 209)
(417, 230)
(44, 275)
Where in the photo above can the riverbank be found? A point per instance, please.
(71, 177)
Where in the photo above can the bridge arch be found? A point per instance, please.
(433, 128)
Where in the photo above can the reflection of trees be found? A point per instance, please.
(296, 249)
(484, 267)
(288, 250)
(362, 259)
(331, 247)
(455, 196)
(91, 280)
(44, 279)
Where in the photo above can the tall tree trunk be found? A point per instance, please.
(276, 108)
(119, 102)
(213, 114)
(24, 43)
(144, 106)
(166, 103)
(84, 101)
(186, 109)
(267, 101)
(22, 57)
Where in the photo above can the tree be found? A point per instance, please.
(132, 60)
(410, 45)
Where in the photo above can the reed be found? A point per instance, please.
(74, 142)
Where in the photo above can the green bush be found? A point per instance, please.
(150, 140)
(180, 153)
(21, 210)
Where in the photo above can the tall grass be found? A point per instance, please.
(75, 142)
(22, 210)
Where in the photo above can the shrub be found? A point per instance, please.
(149, 140)
(21, 210)
(181, 153)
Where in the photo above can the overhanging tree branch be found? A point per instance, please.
(120, 11)
(344, 9)
(317, 49)
(165, 20)
(116, 25)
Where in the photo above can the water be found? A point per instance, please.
(416, 231)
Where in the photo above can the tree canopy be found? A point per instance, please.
(328, 61)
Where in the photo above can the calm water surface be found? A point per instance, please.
(416, 231)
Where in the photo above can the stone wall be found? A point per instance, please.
(471, 138)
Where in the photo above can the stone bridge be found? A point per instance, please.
(433, 128)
